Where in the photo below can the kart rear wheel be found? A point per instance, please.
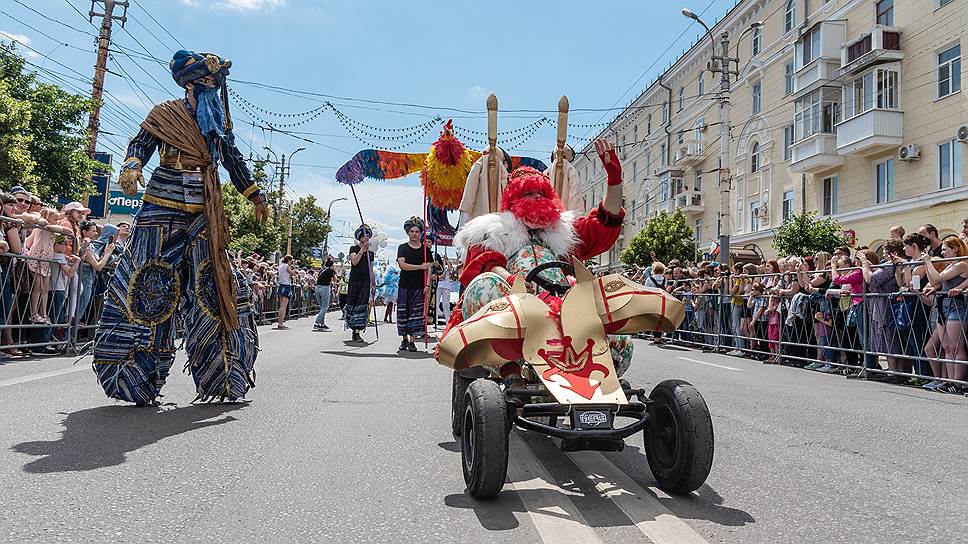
(679, 437)
(457, 392)
(484, 439)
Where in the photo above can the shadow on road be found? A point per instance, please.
(380, 355)
(451, 446)
(102, 437)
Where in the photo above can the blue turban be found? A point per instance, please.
(187, 66)
(363, 229)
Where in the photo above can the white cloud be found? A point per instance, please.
(478, 91)
(237, 5)
(20, 39)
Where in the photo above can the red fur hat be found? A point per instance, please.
(524, 180)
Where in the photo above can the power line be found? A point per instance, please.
(161, 26)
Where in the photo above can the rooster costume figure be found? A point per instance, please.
(532, 229)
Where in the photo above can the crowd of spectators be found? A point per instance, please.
(846, 312)
(52, 264)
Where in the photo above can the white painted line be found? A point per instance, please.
(43, 375)
(711, 364)
(554, 515)
(642, 507)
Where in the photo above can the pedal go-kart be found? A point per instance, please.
(568, 387)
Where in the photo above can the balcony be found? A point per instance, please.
(816, 153)
(879, 46)
(871, 132)
(687, 155)
(690, 202)
(818, 56)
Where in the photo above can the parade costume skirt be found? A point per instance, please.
(410, 310)
(164, 275)
(357, 304)
(488, 287)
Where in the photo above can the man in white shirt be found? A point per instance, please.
(285, 291)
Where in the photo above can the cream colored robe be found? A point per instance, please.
(475, 200)
(570, 195)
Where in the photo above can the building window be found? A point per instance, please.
(635, 135)
(943, 3)
(700, 126)
(754, 158)
(757, 96)
(885, 12)
(788, 143)
(663, 160)
(878, 88)
(632, 211)
(829, 204)
(681, 137)
(665, 112)
(787, 205)
(622, 154)
(817, 113)
(702, 85)
(788, 80)
(648, 124)
(682, 97)
(698, 185)
(754, 216)
(950, 164)
(884, 179)
(664, 188)
(698, 231)
(790, 17)
(648, 161)
(809, 46)
(949, 71)
(756, 42)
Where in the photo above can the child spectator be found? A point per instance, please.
(40, 246)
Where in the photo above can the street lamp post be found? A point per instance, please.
(328, 209)
(282, 191)
(724, 69)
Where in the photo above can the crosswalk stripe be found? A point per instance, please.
(43, 375)
(558, 524)
(641, 506)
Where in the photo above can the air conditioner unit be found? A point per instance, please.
(909, 152)
(962, 134)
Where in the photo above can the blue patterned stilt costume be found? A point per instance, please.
(168, 275)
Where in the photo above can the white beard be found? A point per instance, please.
(506, 234)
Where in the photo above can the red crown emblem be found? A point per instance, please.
(573, 366)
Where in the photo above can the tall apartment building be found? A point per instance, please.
(850, 108)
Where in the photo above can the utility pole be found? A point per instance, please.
(723, 68)
(103, 42)
(282, 186)
(282, 192)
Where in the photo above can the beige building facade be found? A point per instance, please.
(850, 108)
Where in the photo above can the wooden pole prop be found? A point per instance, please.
(492, 172)
(560, 145)
(423, 253)
(369, 267)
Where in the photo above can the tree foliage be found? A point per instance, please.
(667, 235)
(43, 137)
(308, 222)
(805, 234)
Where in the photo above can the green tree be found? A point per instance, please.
(48, 155)
(667, 235)
(805, 234)
(309, 227)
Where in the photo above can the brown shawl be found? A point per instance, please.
(172, 123)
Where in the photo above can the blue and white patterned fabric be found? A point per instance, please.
(164, 276)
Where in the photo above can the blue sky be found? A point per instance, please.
(438, 54)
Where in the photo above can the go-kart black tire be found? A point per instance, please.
(457, 402)
(484, 439)
(679, 438)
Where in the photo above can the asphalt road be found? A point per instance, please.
(347, 444)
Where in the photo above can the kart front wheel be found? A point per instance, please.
(484, 439)
(679, 437)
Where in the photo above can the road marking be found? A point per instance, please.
(711, 364)
(42, 375)
(553, 514)
(642, 507)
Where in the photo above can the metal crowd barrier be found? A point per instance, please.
(859, 334)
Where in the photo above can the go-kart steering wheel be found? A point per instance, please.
(556, 289)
